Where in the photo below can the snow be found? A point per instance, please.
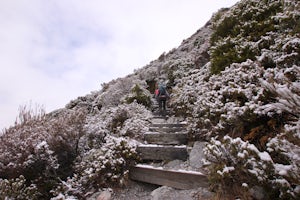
(283, 170)
(245, 185)
(158, 145)
(170, 170)
(265, 156)
(225, 170)
(148, 166)
(41, 145)
(243, 154)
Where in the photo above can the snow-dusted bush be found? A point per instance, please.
(104, 167)
(140, 95)
(220, 104)
(253, 100)
(252, 28)
(70, 149)
(18, 189)
(64, 139)
(235, 164)
(113, 92)
(123, 120)
(41, 149)
(284, 84)
(84, 102)
(236, 32)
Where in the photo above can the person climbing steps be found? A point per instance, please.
(162, 95)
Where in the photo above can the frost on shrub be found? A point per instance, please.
(220, 104)
(107, 166)
(253, 29)
(285, 153)
(234, 163)
(42, 150)
(115, 91)
(18, 189)
(284, 85)
(123, 120)
(140, 95)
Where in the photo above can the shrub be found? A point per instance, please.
(124, 120)
(107, 166)
(41, 148)
(140, 96)
(64, 139)
(18, 189)
(235, 35)
(238, 166)
(114, 92)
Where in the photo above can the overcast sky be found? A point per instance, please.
(52, 51)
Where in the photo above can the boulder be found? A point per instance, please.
(196, 155)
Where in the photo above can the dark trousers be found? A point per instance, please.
(162, 104)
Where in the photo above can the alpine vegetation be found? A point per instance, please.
(74, 151)
(236, 82)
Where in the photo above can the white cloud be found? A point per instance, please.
(53, 51)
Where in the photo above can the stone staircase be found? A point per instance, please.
(166, 141)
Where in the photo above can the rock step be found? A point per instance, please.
(160, 152)
(158, 113)
(167, 129)
(166, 138)
(179, 179)
(159, 117)
(173, 125)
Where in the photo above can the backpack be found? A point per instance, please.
(162, 93)
(162, 90)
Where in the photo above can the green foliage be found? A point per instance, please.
(228, 27)
(139, 96)
(227, 53)
(247, 23)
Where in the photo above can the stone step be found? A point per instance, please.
(159, 117)
(179, 179)
(162, 152)
(166, 138)
(169, 125)
(167, 129)
(158, 113)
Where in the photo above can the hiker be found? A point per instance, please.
(162, 96)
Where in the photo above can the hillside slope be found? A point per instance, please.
(236, 81)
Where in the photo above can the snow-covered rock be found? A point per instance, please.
(168, 193)
(196, 156)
